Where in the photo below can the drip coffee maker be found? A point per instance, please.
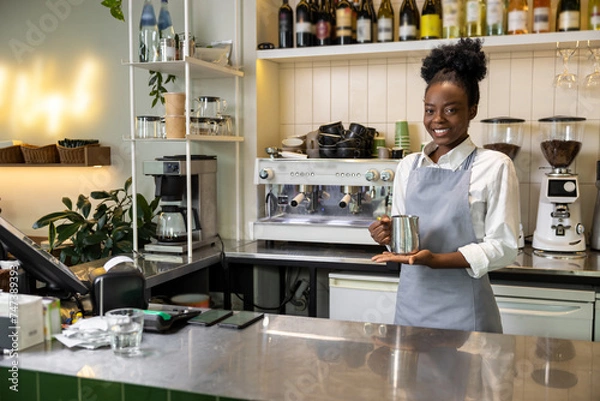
(559, 230)
(170, 179)
(505, 134)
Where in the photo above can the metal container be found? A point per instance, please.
(168, 49)
(405, 234)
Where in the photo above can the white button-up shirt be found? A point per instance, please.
(493, 201)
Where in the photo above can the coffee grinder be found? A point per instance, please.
(505, 134)
(170, 177)
(559, 230)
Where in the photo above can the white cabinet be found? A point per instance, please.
(363, 297)
(190, 71)
(546, 312)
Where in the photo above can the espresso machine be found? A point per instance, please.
(323, 200)
(170, 178)
(559, 230)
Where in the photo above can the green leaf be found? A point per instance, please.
(68, 203)
(51, 236)
(96, 238)
(117, 13)
(99, 195)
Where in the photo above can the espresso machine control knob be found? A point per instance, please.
(266, 174)
(372, 175)
(387, 175)
(579, 229)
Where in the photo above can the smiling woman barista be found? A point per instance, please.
(467, 200)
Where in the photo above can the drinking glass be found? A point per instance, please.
(125, 326)
(593, 80)
(565, 79)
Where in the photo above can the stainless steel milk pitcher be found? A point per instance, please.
(405, 234)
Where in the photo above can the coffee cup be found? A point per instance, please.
(405, 234)
(383, 152)
(397, 153)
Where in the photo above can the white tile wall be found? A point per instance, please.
(379, 92)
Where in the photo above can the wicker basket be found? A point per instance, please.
(73, 155)
(11, 154)
(40, 154)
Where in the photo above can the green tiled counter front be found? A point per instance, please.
(41, 386)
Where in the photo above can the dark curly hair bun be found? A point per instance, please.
(463, 57)
(462, 62)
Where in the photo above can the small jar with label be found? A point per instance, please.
(186, 40)
(167, 49)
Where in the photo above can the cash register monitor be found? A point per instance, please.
(37, 262)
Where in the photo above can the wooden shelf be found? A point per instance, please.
(95, 156)
(417, 48)
(206, 138)
(198, 68)
(192, 138)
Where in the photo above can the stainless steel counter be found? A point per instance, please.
(526, 262)
(159, 272)
(296, 358)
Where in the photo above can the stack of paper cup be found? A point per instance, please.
(175, 116)
(402, 138)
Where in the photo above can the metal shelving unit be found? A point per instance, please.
(189, 69)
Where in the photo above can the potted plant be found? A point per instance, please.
(83, 237)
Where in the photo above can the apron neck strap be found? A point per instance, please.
(466, 164)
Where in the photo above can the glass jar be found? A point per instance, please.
(147, 127)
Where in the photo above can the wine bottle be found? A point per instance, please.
(343, 20)
(165, 25)
(475, 16)
(333, 19)
(385, 22)
(364, 21)
(355, 7)
(496, 17)
(323, 25)
(453, 18)
(373, 20)
(431, 20)
(517, 17)
(568, 15)
(314, 12)
(408, 21)
(594, 15)
(303, 24)
(286, 26)
(149, 37)
(541, 16)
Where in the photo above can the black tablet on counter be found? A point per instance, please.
(241, 319)
(39, 263)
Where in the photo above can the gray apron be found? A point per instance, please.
(444, 298)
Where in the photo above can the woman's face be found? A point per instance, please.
(447, 115)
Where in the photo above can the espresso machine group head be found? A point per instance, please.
(170, 178)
